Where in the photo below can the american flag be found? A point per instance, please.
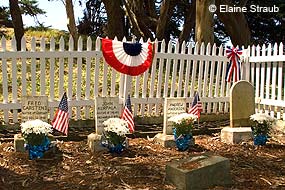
(196, 106)
(128, 115)
(60, 120)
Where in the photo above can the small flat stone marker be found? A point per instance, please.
(199, 172)
(242, 106)
(172, 107)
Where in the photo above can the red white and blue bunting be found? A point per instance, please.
(234, 68)
(128, 58)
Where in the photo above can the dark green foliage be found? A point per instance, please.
(265, 28)
(183, 128)
(31, 8)
(5, 18)
(261, 128)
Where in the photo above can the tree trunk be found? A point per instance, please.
(116, 20)
(166, 9)
(189, 23)
(17, 21)
(204, 31)
(235, 24)
(71, 21)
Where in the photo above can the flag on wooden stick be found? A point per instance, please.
(196, 106)
(128, 115)
(60, 120)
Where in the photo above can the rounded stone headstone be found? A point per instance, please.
(242, 104)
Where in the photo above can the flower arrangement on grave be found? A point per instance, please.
(114, 135)
(182, 129)
(261, 126)
(35, 133)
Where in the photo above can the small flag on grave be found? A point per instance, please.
(128, 115)
(60, 121)
(196, 106)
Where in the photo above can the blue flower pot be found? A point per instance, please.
(260, 139)
(119, 148)
(37, 151)
(183, 141)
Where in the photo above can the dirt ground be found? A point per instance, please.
(141, 166)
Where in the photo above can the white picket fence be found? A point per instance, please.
(177, 71)
(267, 71)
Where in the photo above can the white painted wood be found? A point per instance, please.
(14, 79)
(280, 74)
(274, 74)
(153, 74)
(79, 77)
(52, 79)
(212, 75)
(105, 79)
(252, 54)
(223, 83)
(154, 78)
(97, 67)
(267, 58)
(201, 68)
(144, 88)
(61, 69)
(70, 68)
(204, 84)
(160, 69)
(42, 68)
(33, 67)
(149, 88)
(187, 72)
(173, 87)
(167, 71)
(4, 79)
(24, 68)
(88, 78)
(181, 72)
(218, 78)
(257, 74)
(268, 73)
(194, 71)
(228, 86)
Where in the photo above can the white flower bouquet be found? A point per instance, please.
(115, 131)
(35, 131)
(183, 123)
(262, 123)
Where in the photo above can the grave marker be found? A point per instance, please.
(34, 107)
(242, 105)
(105, 108)
(172, 106)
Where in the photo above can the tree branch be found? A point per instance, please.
(131, 15)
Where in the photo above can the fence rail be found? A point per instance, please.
(47, 68)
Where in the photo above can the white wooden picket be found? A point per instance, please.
(267, 75)
(178, 70)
